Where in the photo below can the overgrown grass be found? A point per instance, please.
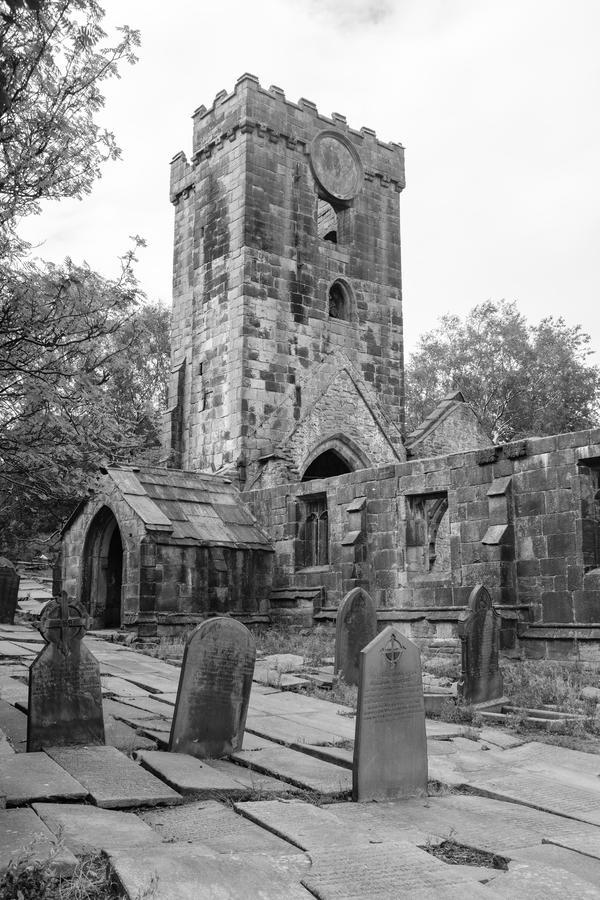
(171, 647)
(341, 693)
(90, 880)
(458, 713)
(535, 683)
(314, 644)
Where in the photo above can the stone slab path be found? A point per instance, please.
(160, 818)
(22, 832)
(86, 829)
(27, 777)
(194, 872)
(112, 780)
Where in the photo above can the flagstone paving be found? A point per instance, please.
(26, 777)
(535, 805)
(189, 775)
(112, 779)
(297, 768)
(87, 829)
(216, 826)
(14, 725)
(22, 832)
(194, 872)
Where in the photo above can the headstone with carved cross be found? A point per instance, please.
(390, 747)
(479, 631)
(65, 694)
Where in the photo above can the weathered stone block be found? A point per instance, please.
(557, 607)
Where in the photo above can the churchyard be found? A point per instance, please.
(126, 775)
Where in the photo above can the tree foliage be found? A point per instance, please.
(521, 379)
(53, 60)
(82, 379)
(82, 359)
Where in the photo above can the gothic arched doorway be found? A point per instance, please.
(103, 570)
(335, 455)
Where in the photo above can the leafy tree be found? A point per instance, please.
(521, 379)
(82, 370)
(71, 396)
(53, 60)
(136, 376)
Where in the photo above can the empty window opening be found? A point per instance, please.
(589, 470)
(327, 222)
(428, 535)
(339, 301)
(313, 532)
(327, 464)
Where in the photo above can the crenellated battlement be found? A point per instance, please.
(250, 108)
(303, 104)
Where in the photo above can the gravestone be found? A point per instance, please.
(9, 591)
(65, 695)
(390, 747)
(214, 690)
(479, 632)
(355, 627)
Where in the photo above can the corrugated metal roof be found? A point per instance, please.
(205, 508)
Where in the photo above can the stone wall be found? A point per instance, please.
(515, 521)
(168, 583)
(459, 429)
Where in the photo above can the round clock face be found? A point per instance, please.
(336, 165)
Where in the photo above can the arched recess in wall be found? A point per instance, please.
(102, 577)
(340, 301)
(335, 455)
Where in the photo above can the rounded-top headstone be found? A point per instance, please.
(479, 631)
(9, 591)
(355, 627)
(214, 690)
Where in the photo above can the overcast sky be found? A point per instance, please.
(496, 101)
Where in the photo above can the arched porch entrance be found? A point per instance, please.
(103, 570)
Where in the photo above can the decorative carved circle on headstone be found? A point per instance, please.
(336, 165)
(393, 650)
(63, 622)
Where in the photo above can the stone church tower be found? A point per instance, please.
(287, 309)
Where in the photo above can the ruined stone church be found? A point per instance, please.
(288, 477)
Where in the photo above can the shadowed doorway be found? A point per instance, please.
(103, 570)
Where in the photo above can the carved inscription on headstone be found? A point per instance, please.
(390, 748)
(214, 690)
(355, 627)
(65, 694)
(479, 630)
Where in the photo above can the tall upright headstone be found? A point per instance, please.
(65, 693)
(479, 631)
(390, 747)
(214, 690)
(355, 627)
(9, 591)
